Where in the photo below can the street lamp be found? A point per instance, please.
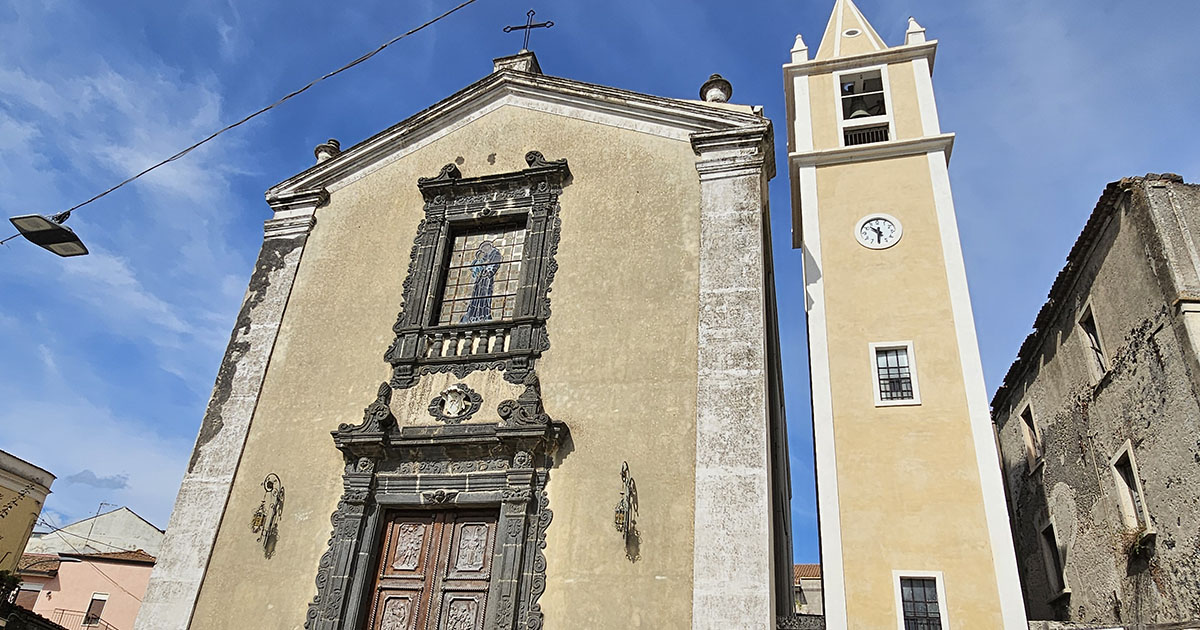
(50, 233)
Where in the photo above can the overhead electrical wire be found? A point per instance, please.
(64, 215)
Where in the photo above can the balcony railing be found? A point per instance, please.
(481, 340)
(866, 135)
(79, 620)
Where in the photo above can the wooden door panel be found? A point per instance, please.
(407, 565)
(398, 611)
(462, 611)
(472, 544)
(434, 570)
(411, 548)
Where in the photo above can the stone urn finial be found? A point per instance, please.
(716, 89)
(327, 149)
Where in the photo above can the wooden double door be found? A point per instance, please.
(434, 570)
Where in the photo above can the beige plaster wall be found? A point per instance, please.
(20, 503)
(906, 110)
(908, 481)
(621, 372)
(822, 95)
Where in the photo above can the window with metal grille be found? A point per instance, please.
(895, 378)
(920, 600)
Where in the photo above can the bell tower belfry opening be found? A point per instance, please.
(914, 529)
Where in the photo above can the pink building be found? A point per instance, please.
(99, 591)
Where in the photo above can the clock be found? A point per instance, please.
(878, 231)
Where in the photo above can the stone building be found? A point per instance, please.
(566, 292)
(914, 532)
(1098, 419)
(119, 529)
(806, 585)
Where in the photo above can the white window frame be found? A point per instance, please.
(869, 121)
(1048, 561)
(1097, 371)
(95, 596)
(1127, 509)
(941, 593)
(907, 346)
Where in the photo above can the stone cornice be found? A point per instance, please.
(880, 150)
(650, 114)
(295, 215)
(897, 54)
(733, 152)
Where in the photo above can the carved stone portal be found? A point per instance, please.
(461, 473)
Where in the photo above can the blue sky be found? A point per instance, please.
(108, 360)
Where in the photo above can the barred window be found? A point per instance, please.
(481, 279)
(920, 600)
(895, 377)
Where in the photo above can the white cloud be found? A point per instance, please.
(103, 333)
(152, 477)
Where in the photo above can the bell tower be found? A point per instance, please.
(914, 529)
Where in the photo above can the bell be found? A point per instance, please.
(858, 108)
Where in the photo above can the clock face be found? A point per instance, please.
(878, 231)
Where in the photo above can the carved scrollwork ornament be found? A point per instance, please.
(527, 409)
(449, 172)
(535, 159)
(377, 417)
(516, 495)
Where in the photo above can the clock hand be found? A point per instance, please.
(878, 234)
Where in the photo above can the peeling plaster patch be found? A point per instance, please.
(270, 259)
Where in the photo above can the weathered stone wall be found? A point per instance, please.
(1147, 397)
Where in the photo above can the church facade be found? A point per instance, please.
(555, 302)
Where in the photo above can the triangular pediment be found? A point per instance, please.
(848, 33)
(666, 117)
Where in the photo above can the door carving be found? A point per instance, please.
(434, 570)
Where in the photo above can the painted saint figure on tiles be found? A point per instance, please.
(483, 273)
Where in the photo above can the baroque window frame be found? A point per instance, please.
(454, 203)
(503, 465)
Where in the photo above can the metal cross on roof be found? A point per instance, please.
(528, 26)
